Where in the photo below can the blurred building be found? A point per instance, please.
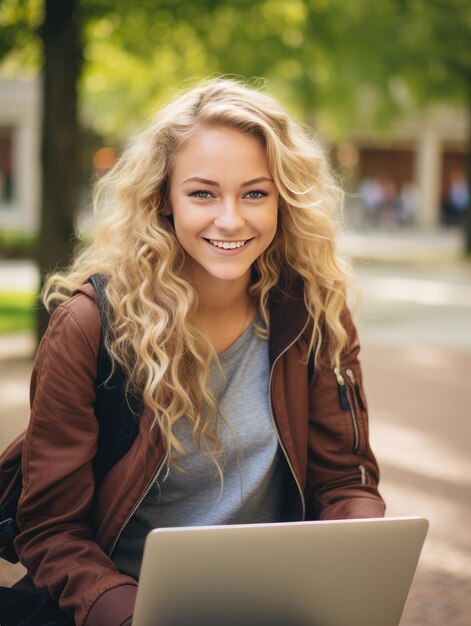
(19, 154)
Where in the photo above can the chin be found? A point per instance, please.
(226, 274)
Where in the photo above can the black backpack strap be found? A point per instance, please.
(104, 363)
(115, 410)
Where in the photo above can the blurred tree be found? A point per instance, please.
(60, 138)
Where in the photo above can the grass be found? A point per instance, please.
(16, 311)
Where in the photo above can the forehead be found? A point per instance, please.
(218, 151)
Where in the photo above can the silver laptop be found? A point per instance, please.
(342, 573)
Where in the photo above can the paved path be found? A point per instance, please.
(415, 326)
(404, 244)
(420, 431)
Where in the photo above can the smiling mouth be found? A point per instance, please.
(228, 245)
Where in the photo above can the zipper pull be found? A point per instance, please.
(342, 390)
(356, 386)
(366, 478)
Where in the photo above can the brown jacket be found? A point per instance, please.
(68, 532)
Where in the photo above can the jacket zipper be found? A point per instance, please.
(303, 503)
(356, 387)
(346, 404)
(138, 503)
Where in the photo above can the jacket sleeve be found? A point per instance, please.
(343, 475)
(55, 542)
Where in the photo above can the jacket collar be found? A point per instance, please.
(288, 313)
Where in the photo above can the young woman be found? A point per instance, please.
(227, 310)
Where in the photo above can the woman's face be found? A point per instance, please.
(224, 203)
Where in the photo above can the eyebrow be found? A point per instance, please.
(206, 181)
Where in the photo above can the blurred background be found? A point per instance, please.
(387, 87)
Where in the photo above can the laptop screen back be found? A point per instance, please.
(342, 573)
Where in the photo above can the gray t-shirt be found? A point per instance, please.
(253, 465)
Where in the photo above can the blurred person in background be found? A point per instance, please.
(371, 194)
(457, 198)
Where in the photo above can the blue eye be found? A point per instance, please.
(201, 194)
(256, 194)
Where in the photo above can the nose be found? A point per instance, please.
(229, 216)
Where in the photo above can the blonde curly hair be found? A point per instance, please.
(153, 333)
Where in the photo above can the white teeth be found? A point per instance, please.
(227, 245)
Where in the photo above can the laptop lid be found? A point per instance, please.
(334, 573)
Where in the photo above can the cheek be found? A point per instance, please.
(187, 223)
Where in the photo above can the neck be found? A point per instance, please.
(219, 296)
(225, 310)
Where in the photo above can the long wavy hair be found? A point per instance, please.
(153, 334)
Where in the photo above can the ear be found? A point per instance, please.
(168, 210)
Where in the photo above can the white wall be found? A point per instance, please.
(20, 110)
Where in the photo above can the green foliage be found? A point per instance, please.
(348, 61)
(148, 53)
(16, 311)
(433, 37)
(19, 44)
(353, 63)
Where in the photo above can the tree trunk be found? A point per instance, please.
(60, 139)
